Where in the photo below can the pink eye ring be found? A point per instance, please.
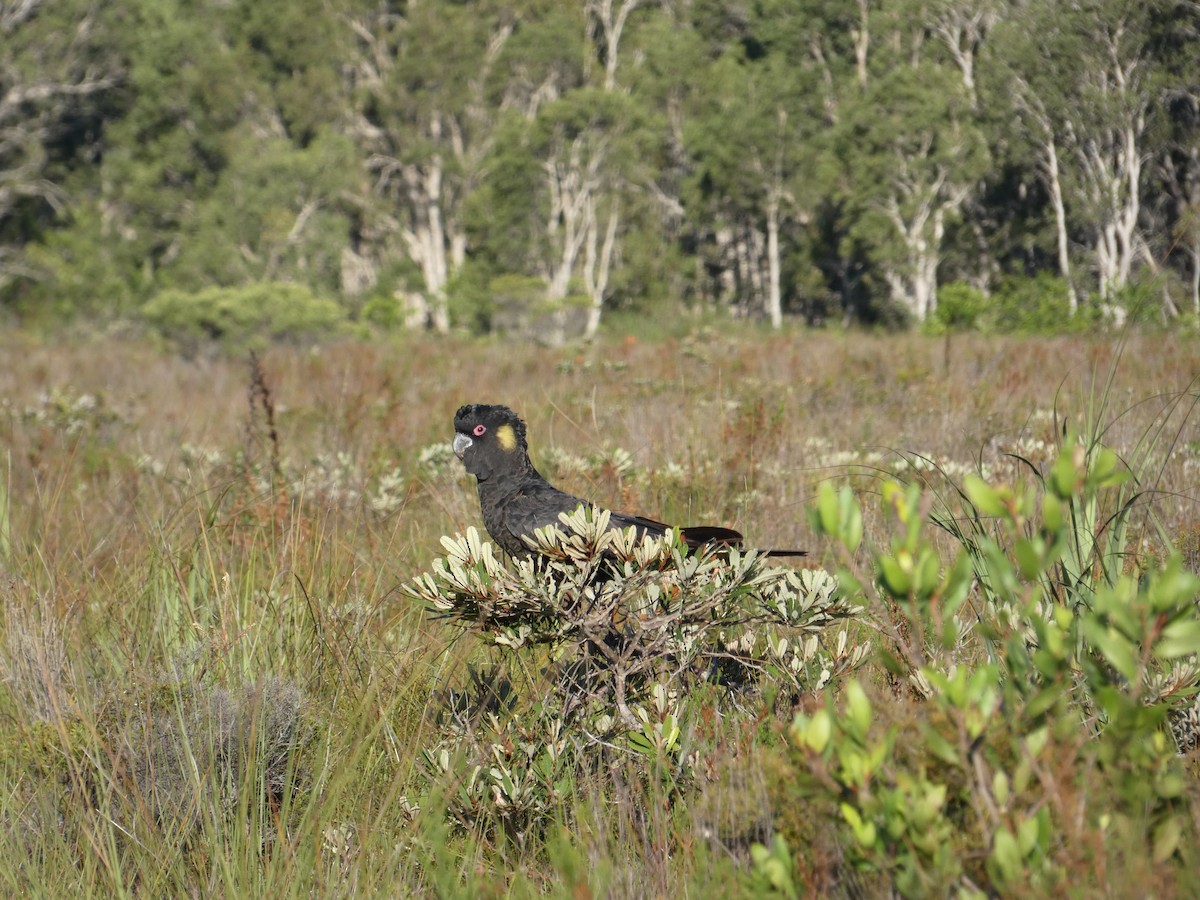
(479, 430)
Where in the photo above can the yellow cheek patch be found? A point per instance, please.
(507, 438)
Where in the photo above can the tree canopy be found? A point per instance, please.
(419, 162)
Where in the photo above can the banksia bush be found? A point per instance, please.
(628, 612)
(623, 629)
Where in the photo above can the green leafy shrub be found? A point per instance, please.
(518, 307)
(1049, 672)
(960, 307)
(1141, 302)
(1038, 304)
(244, 317)
(1020, 304)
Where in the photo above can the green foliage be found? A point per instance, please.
(1033, 305)
(840, 157)
(960, 308)
(275, 211)
(1039, 658)
(518, 306)
(244, 317)
(1019, 304)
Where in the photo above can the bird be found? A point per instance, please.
(516, 500)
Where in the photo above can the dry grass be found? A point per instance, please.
(153, 533)
(754, 422)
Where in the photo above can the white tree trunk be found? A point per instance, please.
(926, 262)
(434, 263)
(728, 277)
(922, 231)
(962, 30)
(1054, 183)
(774, 299)
(611, 18)
(429, 224)
(912, 289)
(1109, 161)
(572, 184)
(425, 238)
(861, 35)
(1193, 252)
(597, 267)
(749, 250)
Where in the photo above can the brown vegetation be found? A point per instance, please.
(171, 559)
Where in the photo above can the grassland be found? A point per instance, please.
(214, 681)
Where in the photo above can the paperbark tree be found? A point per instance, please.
(1087, 82)
(962, 27)
(754, 141)
(910, 156)
(566, 221)
(609, 18)
(426, 116)
(570, 157)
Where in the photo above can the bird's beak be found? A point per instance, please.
(461, 443)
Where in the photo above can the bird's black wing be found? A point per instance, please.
(536, 504)
(641, 523)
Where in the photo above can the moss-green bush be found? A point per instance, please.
(1020, 304)
(1034, 305)
(520, 308)
(960, 307)
(245, 317)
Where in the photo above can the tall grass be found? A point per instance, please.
(214, 682)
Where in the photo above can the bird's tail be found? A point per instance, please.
(698, 536)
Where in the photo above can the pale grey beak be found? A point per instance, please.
(461, 443)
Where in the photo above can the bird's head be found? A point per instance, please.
(490, 440)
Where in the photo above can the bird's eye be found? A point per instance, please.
(479, 430)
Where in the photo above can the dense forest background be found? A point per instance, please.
(439, 164)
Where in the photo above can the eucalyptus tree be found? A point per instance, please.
(754, 136)
(1090, 82)
(279, 205)
(909, 153)
(214, 161)
(568, 162)
(963, 26)
(160, 149)
(754, 141)
(427, 106)
(276, 212)
(1179, 173)
(57, 75)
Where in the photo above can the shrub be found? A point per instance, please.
(518, 307)
(960, 307)
(244, 317)
(1049, 674)
(167, 761)
(622, 632)
(1034, 305)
